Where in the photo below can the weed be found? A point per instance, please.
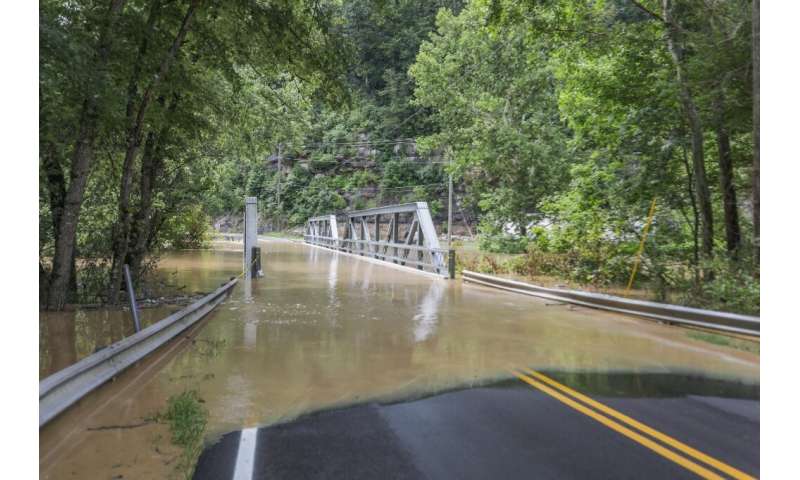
(187, 419)
(725, 341)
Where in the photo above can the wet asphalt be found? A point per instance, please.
(507, 431)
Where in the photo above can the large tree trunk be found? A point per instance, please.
(756, 130)
(693, 118)
(152, 167)
(83, 154)
(57, 192)
(151, 162)
(56, 183)
(122, 230)
(693, 202)
(732, 231)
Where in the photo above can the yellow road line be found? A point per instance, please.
(721, 466)
(661, 450)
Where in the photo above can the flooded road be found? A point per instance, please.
(68, 336)
(323, 330)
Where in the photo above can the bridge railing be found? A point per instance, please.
(401, 234)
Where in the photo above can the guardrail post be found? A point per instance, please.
(132, 297)
(451, 263)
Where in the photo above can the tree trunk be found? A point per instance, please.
(57, 192)
(122, 230)
(693, 118)
(152, 164)
(56, 183)
(732, 231)
(83, 154)
(693, 203)
(756, 130)
(141, 222)
(152, 167)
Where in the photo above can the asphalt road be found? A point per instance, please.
(514, 430)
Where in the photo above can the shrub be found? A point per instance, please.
(187, 229)
(733, 289)
(502, 243)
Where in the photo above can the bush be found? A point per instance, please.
(187, 229)
(502, 243)
(733, 289)
(322, 162)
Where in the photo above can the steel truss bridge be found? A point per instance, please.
(401, 234)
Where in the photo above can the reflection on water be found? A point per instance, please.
(68, 336)
(425, 319)
(650, 385)
(323, 329)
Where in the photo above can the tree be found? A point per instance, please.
(81, 162)
(162, 51)
(492, 102)
(756, 21)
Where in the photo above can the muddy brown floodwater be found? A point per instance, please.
(68, 336)
(322, 330)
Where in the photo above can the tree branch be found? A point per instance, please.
(648, 11)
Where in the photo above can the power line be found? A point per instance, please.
(362, 189)
(365, 143)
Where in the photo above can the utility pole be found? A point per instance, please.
(278, 189)
(449, 199)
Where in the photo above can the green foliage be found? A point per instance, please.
(187, 419)
(203, 115)
(501, 129)
(726, 341)
(322, 162)
(502, 243)
(560, 122)
(190, 228)
(733, 289)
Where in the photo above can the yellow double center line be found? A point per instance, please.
(569, 396)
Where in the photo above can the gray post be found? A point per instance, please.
(132, 297)
(250, 234)
(451, 263)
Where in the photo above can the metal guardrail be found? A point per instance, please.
(676, 314)
(408, 239)
(229, 237)
(65, 387)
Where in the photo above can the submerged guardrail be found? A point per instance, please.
(62, 389)
(676, 314)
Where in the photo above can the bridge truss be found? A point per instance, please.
(402, 234)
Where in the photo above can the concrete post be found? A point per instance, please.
(250, 234)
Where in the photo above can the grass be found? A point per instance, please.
(187, 419)
(725, 341)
